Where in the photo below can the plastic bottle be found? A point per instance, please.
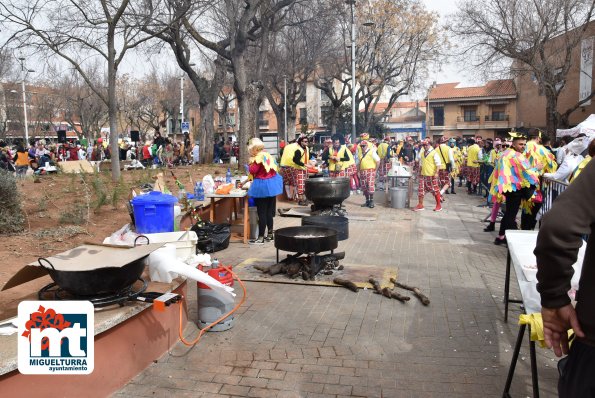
(325, 172)
(228, 176)
(199, 192)
(215, 264)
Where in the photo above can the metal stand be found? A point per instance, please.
(515, 357)
(507, 288)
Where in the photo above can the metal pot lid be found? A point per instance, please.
(92, 257)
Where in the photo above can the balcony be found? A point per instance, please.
(436, 124)
(496, 121)
(468, 122)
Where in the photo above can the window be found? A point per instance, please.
(470, 114)
(323, 96)
(262, 120)
(325, 114)
(230, 119)
(303, 116)
(438, 119)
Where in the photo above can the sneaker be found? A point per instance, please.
(302, 203)
(359, 191)
(269, 238)
(418, 208)
(499, 241)
(438, 207)
(258, 241)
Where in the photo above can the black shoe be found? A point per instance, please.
(367, 204)
(446, 192)
(259, 241)
(452, 191)
(269, 238)
(499, 242)
(491, 227)
(371, 204)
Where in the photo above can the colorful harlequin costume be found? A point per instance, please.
(538, 155)
(579, 168)
(266, 182)
(512, 172)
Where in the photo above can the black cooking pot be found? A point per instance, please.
(327, 192)
(306, 239)
(338, 223)
(99, 281)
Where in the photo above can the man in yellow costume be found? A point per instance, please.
(429, 164)
(295, 163)
(384, 153)
(368, 163)
(447, 165)
(340, 161)
(544, 161)
(474, 154)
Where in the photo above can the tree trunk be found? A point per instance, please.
(551, 110)
(248, 106)
(207, 132)
(291, 123)
(112, 106)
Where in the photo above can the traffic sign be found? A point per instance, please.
(185, 127)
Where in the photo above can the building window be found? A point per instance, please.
(230, 119)
(303, 116)
(323, 96)
(470, 114)
(262, 120)
(438, 119)
(325, 114)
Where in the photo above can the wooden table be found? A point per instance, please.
(233, 209)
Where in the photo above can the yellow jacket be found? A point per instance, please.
(473, 155)
(287, 159)
(334, 165)
(428, 164)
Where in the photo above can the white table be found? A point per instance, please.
(520, 253)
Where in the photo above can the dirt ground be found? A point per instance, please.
(66, 210)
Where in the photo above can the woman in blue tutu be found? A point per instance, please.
(266, 185)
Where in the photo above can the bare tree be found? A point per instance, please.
(539, 37)
(104, 29)
(394, 54)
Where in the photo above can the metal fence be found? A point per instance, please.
(550, 189)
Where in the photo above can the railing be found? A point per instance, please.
(496, 118)
(468, 119)
(551, 189)
(438, 123)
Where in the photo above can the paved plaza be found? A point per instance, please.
(313, 341)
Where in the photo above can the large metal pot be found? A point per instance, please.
(306, 239)
(338, 223)
(327, 192)
(98, 281)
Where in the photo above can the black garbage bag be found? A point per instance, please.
(212, 237)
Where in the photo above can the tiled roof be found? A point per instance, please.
(381, 106)
(493, 88)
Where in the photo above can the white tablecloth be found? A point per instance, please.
(521, 245)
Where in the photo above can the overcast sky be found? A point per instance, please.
(450, 71)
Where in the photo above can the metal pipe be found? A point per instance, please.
(181, 102)
(285, 108)
(25, 111)
(353, 127)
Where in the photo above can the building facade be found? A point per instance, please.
(489, 111)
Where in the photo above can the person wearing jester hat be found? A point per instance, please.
(368, 163)
(266, 185)
(545, 162)
(429, 164)
(295, 163)
(515, 179)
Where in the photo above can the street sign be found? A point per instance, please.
(185, 127)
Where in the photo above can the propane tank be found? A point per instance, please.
(212, 305)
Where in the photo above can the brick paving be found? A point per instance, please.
(311, 341)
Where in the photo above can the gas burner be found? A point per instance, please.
(336, 210)
(55, 292)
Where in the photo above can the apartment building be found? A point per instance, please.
(489, 111)
(532, 101)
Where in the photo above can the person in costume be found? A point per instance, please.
(496, 198)
(586, 160)
(429, 163)
(340, 159)
(515, 179)
(285, 168)
(295, 158)
(384, 153)
(458, 157)
(368, 163)
(266, 185)
(474, 154)
(447, 165)
(572, 159)
(545, 162)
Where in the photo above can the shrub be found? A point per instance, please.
(11, 213)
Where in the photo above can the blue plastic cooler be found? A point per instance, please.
(154, 212)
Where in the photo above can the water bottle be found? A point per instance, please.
(325, 172)
(215, 264)
(199, 192)
(228, 176)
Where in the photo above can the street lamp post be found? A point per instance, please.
(428, 118)
(353, 127)
(24, 72)
(181, 103)
(285, 108)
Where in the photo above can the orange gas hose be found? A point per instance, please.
(203, 331)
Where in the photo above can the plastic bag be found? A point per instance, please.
(208, 183)
(212, 237)
(124, 236)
